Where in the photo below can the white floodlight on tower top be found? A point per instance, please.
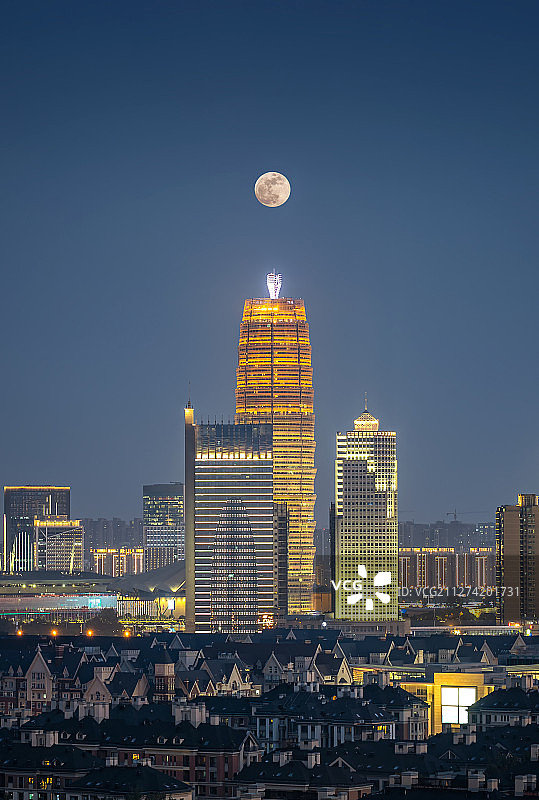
(274, 284)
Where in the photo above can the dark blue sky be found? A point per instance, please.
(131, 136)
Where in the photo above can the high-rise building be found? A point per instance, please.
(118, 561)
(234, 574)
(229, 526)
(366, 528)
(162, 505)
(58, 544)
(275, 384)
(485, 534)
(162, 546)
(517, 551)
(22, 505)
(99, 533)
(163, 520)
(280, 560)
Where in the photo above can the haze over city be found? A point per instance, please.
(131, 234)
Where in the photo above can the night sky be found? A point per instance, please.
(131, 136)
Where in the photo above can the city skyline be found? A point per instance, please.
(130, 229)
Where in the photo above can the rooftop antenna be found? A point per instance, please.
(365, 401)
(189, 395)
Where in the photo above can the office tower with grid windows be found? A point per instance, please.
(22, 505)
(163, 524)
(229, 526)
(366, 526)
(58, 544)
(234, 578)
(162, 505)
(274, 383)
(517, 561)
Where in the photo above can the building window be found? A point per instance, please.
(455, 703)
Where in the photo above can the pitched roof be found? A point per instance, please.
(391, 697)
(128, 780)
(221, 668)
(64, 758)
(297, 772)
(315, 706)
(507, 700)
(124, 682)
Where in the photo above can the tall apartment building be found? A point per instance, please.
(366, 528)
(486, 534)
(22, 505)
(229, 526)
(58, 544)
(163, 524)
(517, 552)
(274, 383)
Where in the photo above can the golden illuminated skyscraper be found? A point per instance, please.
(275, 383)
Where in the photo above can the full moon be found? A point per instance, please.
(272, 189)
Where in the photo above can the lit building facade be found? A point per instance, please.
(118, 561)
(366, 526)
(517, 551)
(229, 563)
(234, 565)
(449, 696)
(22, 505)
(58, 544)
(162, 505)
(275, 384)
(163, 521)
(162, 546)
(445, 567)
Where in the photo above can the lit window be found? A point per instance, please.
(455, 703)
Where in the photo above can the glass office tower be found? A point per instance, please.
(232, 526)
(162, 505)
(234, 578)
(163, 524)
